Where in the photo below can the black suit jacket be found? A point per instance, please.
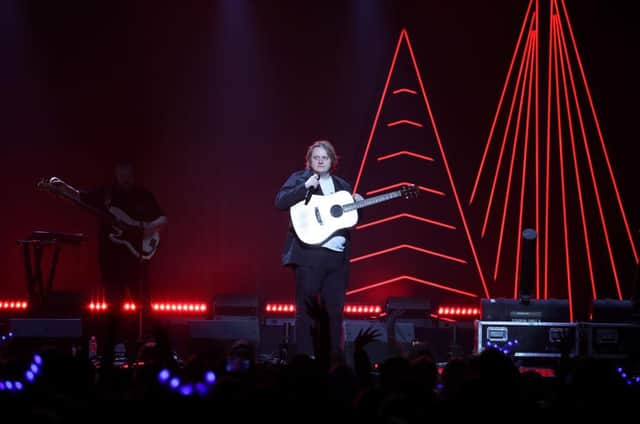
(296, 252)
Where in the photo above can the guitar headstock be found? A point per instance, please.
(409, 191)
(53, 185)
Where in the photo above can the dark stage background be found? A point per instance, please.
(216, 102)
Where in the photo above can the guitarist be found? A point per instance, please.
(319, 271)
(124, 276)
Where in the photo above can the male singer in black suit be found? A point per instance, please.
(319, 270)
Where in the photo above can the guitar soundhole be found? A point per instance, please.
(336, 211)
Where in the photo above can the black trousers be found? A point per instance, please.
(127, 280)
(327, 277)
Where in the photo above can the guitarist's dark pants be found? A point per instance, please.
(327, 277)
(125, 284)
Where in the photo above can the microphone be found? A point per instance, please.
(310, 190)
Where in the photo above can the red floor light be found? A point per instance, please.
(13, 305)
(362, 309)
(179, 307)
(349, 309)
(459, 311)
(129, 307)
(97, 306)
(280, 308)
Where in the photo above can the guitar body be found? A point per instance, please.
(323, 216)
(129, 234)
(126, 230)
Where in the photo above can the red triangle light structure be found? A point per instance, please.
(426, 241)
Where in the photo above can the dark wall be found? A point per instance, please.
(217, 101)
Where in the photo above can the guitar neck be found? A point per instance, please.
(100, 212)
(59, 188)
(95, 210)
(372, 200)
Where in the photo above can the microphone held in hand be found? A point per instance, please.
(311, 190)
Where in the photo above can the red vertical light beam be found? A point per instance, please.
(591, 171)
(447, 168)
(561, 159)
(537, 146)
(504, 90)
(524, 166)
(377, 117)
(548, 159)
(504, 138)
(575, 161)
(514, 149)
(600, 136)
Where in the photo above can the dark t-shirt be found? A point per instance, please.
(116, 260)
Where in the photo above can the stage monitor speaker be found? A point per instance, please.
(228, 328)
(551, 310)
(405, 331)
(379, 350)
(412, 307)
(235, 305)
(611, 310)
(46, 328)
(58, 304)
(214, 338)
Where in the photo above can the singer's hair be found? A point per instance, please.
(326, 145)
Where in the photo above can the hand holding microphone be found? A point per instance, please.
(311, 185)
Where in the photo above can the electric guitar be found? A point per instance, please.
(126, 230)
(316, 221)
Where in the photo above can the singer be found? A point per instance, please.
(318, 270)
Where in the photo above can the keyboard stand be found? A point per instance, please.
(33, 249)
